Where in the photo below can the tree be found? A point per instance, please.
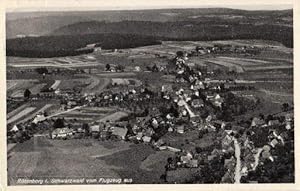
(120, 67)
(179, 53)
(154, 68)
(107, 67)
(42, 70)
(285, 107)
(27, 93)
(59, 123)
(86, 128)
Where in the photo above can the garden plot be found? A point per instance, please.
(244, 61)
(11, 84)
(21, 85)
(226, 64)
(17, 110)
(116, 74)
(120, 81)
(31, 116)
(86, 114)
(114, 117)
(21, 114)
(55, 85)
(72, 83)
(34, 90)
(197, 61)
(65, 62)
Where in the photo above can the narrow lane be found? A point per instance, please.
(237, 150)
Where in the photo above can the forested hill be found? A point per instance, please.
(68, 45)
(216, 29)
(44, 23)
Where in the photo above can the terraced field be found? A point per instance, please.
(69, 62)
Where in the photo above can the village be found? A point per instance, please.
(192, 111)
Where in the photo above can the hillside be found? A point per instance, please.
(68, 45)
(215, 29)
(44, 23)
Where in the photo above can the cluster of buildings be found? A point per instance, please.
(178, 108)
(226, 48)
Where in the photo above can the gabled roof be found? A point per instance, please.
(257, 122)
(62, 130)
(119, 131)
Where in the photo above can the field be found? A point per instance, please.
(70, 62)
(140, 167)
(16, 88)
(43, 157)
(21, 114)
(28, 111)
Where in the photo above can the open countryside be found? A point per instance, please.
(153, 110)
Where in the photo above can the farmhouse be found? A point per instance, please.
(119, 132)
(61, 133)
(257, 122)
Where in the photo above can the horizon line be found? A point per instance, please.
(265, 7)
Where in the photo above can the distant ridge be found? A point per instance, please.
(44, 23)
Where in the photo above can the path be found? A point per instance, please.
(56, 114)
(256, 156)
(237, 150)
(97, 84)
(276, 93)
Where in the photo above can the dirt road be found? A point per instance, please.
(237, 151)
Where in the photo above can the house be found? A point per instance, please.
(95, 128)
(288, 118)
(229, 163)
(159, 143)
(137, 68)
(274, 142)
(288, 126)
(146, 139)
(61, 133)
(196, 103)
(265, 154)
(256, 122)
(219, 124)
(14, 128)
(227, 140)
(274, 122)
(267, 148)
(139, 136)
(216, 152)
(180, 129)
(210, 157)
(119, 132)
(192, 163)
(185, 159)
(71, 104)
(149, 132)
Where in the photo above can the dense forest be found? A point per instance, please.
(70, 45)
(213, 29)
(134, 34)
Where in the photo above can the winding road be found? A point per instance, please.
(237, 150)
